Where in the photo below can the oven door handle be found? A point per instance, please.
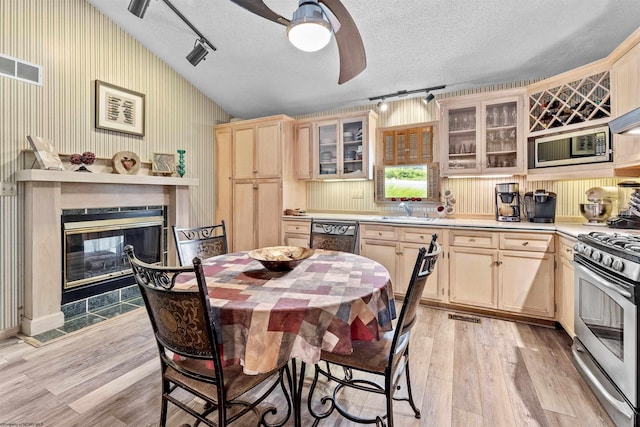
(620, 406)
(601, 281)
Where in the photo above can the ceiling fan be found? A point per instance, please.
(311, 27)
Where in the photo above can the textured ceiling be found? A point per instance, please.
(410, 44)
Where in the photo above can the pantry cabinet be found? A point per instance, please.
(510, 272)
(396, 248)
(255, 180)
(483, 134)
(257, 214)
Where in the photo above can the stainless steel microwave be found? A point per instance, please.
(584, 146)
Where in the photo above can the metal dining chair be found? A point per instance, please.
(190, 351)
(387, 358)
(201, 242)
(334, 235)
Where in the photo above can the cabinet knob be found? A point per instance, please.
(525, 243)
(568, 250)
(255, 186)
(422, 237)
(379, 233)
(297, 228)
(472, 239)
(255, 171)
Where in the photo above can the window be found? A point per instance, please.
(408, 171)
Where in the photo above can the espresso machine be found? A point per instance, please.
(507, 202)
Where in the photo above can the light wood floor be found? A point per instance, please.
(495, 373)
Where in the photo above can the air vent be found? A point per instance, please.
(20, 70)
(471, 319)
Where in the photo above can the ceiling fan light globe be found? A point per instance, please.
(309, 29)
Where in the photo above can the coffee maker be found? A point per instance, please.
(540, 206)
(507, 202)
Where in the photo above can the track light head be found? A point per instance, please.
(138, 7)
(198, 53)
(428, 98)
(382, 105)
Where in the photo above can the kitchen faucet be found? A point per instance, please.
(406, 206)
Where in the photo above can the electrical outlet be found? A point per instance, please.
(357, 194)
(9, 189)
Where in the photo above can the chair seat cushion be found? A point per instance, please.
(236, 381)
(371, 356)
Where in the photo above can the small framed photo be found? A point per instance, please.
(45, 153)
(119, 109)
(163, 164)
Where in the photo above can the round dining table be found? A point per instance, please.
(268, 318)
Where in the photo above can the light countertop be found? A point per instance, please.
(569, 229)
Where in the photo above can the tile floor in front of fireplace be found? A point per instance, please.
(93, 316)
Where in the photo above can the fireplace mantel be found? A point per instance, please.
(43, 196)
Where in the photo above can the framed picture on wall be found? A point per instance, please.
(163, 164)
(119, 109)
(45, 153)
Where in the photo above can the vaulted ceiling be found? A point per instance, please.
(410, 44)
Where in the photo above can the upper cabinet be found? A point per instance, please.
(483, 134)
(625, 79)
(407, 146)
(580, 102)
(257, 150)
(341, 147)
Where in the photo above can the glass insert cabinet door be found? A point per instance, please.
(328, 150)
(462, 139)
(341, 149)
(501, 136)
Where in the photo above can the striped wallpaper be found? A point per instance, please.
(76, 44)
(474, 196)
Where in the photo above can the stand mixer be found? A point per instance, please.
(600, 206)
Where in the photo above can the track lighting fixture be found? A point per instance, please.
(382, 105)
(202, 46)
(309, 29)
(198, 53)
(428, 98)
(138, 7)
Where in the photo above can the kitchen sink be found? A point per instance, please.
(407, 218)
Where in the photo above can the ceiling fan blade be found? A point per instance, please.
(259, 8)
(353, 59)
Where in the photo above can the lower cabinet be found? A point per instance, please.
(296, 233)
(565, 289)
(511, 272)
(396, 248)
(257, 213)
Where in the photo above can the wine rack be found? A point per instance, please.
(571, 103)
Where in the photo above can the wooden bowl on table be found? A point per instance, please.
(280, 258)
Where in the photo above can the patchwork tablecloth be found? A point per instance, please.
(267, 318)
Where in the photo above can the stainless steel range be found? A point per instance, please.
(605, 349)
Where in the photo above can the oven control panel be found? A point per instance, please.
(610, 261)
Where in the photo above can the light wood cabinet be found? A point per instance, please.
(340, 147)
(224, 178)
(255, 180)
(511, 272)
(626, 90)
(257, 214)
(257, 150)
(396, 248)
(412, 146)
(303, 150)
(565, 289)
(483, 134)
(296, 233)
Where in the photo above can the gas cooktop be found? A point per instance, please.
(615, 252)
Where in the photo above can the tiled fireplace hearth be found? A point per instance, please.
(47, 194)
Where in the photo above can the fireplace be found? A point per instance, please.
(93, 258)
(48, 196)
